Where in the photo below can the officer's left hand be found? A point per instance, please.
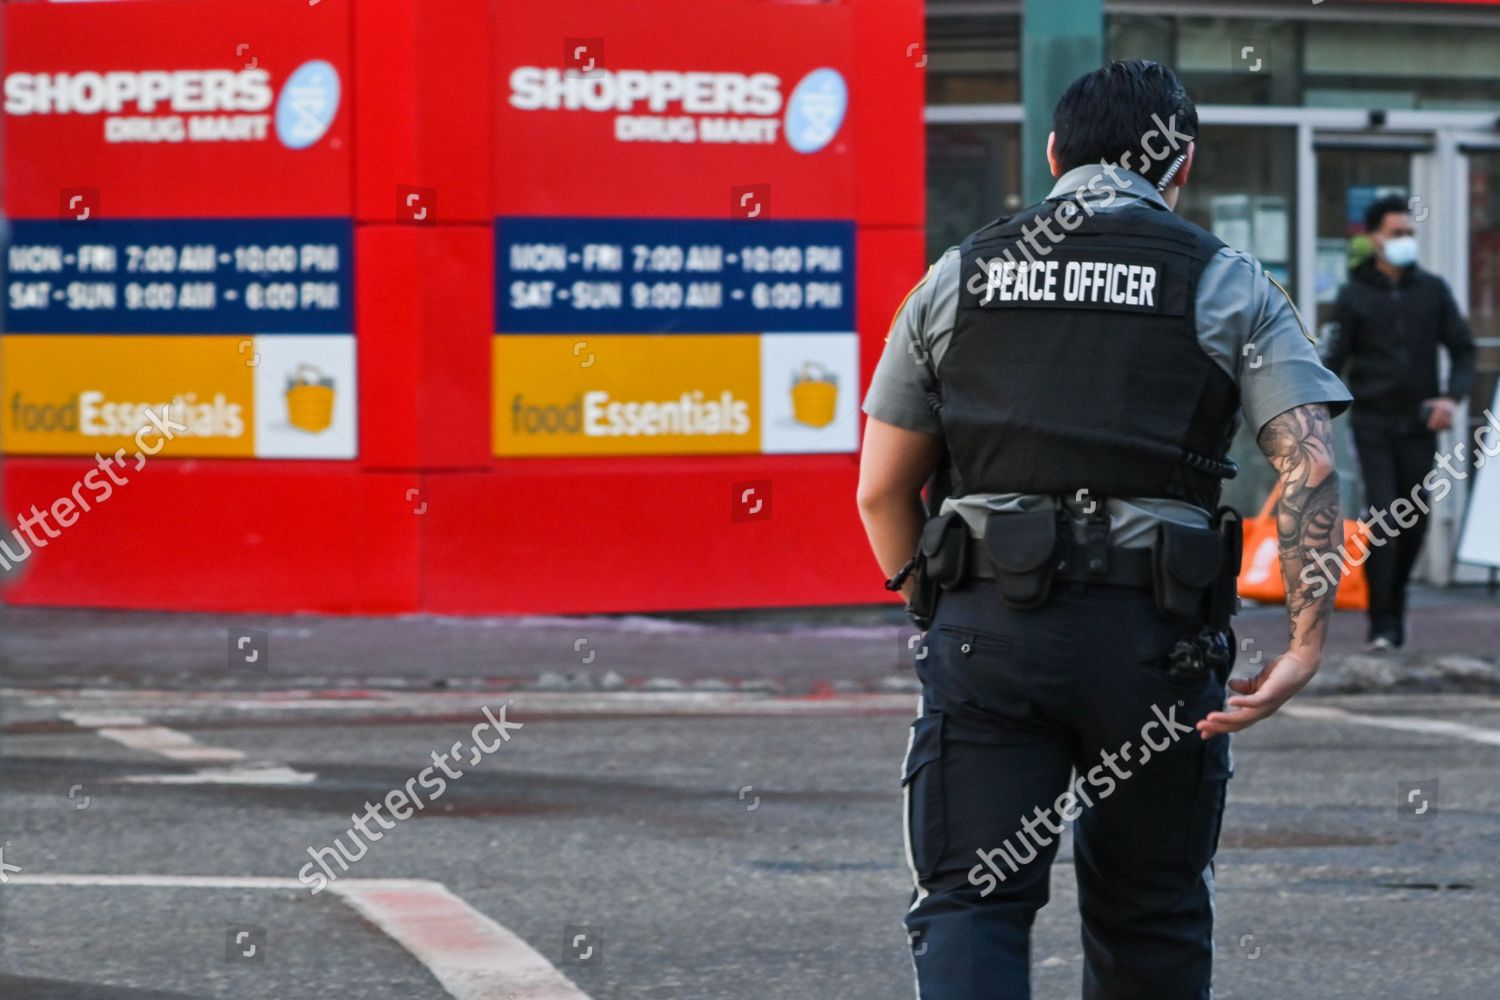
(1261, 695)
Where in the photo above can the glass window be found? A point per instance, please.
(1222, 60)
(1397, 66)
(973, 60)
(1243, 189)
(1318, 63)
(973, 176)
(1139, 37)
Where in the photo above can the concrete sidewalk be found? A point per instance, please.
(1455, 645)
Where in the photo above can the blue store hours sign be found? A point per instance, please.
(611, 275)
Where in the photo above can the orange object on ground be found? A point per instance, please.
(1260, 566)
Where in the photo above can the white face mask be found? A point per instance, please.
(1401, 251)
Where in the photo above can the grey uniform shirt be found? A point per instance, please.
(1246, 324)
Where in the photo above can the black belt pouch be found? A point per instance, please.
(945, 549)
(1185, 562)
(1023, 549)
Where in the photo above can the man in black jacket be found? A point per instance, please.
(1387, 325)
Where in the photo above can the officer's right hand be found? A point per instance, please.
(1263, 694)
(1440, 413)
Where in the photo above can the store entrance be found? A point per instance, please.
(1352, 173)
(1454, 196)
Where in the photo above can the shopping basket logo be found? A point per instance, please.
(815, 394)
(309, 399)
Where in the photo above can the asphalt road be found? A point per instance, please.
(693, 845)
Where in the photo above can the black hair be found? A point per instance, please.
(1106, 115)
(1389, 205)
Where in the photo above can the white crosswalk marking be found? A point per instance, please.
(474, 957)
(471, 955)
(1404, 723)
(131, 731)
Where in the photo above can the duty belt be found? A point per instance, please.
(1189, 570)
(1125, 567)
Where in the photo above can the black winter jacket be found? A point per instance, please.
(1387, 337)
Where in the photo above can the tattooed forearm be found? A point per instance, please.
(1308, 520)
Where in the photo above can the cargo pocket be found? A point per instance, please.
(922, 789)
(1208, 803)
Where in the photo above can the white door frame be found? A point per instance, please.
(1456, 244)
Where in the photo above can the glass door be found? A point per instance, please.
(1353, 172)
(1351, 177)
(973, 176)
(1453, 191)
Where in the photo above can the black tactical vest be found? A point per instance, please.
(1080, 367)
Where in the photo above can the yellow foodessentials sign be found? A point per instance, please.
(271, 396)
(78, 394)
(649, 394)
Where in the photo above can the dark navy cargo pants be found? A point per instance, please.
(1036, 720)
